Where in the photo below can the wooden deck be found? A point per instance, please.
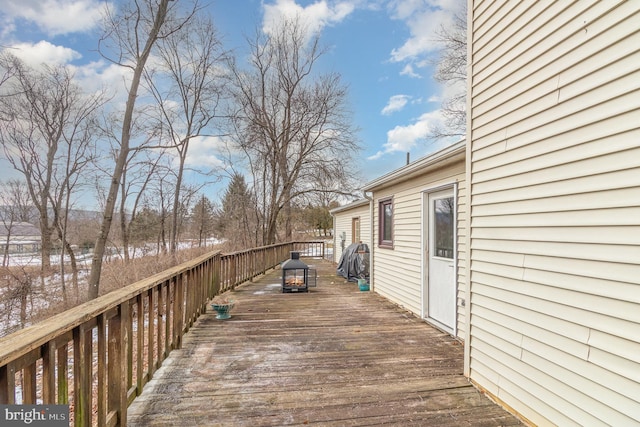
(332, 357)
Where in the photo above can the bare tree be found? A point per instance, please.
(292, 124)
(129, 38)
(134, 185)
(451, 70)
(6, 72)
(19, 290)
(191, 61)
(14, 196)
(47, 137)
(161, 194)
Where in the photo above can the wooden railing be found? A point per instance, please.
(98, 356)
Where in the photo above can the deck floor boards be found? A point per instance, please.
(332, 357)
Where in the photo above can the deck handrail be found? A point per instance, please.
(99, 355)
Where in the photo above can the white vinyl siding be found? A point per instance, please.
(461, 230)
(343, 222)
(398, 271)
(554, 179)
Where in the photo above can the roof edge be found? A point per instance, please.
(352, 205)
(430, 160)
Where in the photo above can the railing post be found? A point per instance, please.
(82, 377)
(117, 361)
(205, 275)
(48, 373)
(178, 311)
(215, 281)
(129, 369)
(140, 344)
(234, 274)
(8, 384)
(188, 284)
(152, 332)
(63, 380)
(169, 315)
(29, 384)
(103, 379)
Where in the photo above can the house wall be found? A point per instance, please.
(343, 223)
(398, 271)
(554, 170)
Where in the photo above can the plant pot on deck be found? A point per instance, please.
(222, 306)
(363, 285)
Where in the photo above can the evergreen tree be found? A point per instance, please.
(145, 227)
(202, 220)
(238, 220)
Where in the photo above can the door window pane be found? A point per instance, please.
(443, 227)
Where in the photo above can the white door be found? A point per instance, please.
(441, 286)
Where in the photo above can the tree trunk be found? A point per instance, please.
(5, 259)
(74, 269)
(23, 308)
(288, 233)
(173, 238)
(63, 280)
(127, 124)
(163, 231)
(45, 243)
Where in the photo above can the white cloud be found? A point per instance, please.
(92, 77)
(203, 152)
(98, 74)
(422, 23)
(395, 103)
(405, 138)
(44, 52)
(55, 17)
(408, 70)
(316, 15)
(423, 19)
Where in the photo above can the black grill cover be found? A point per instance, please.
(354, 262)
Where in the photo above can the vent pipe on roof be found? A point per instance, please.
(408, 155)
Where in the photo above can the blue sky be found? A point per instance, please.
(380, 47)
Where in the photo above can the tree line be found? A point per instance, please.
(284, 132)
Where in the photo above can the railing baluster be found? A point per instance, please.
(29, 384)
(129, 348)
(49, 373)
(152, 318)
(8, 384)
(177, 303)
(117, 359)
(168, 318)
(102, 369)
(81, 377)
(140, 345)
(63, 376)
(161, 320)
